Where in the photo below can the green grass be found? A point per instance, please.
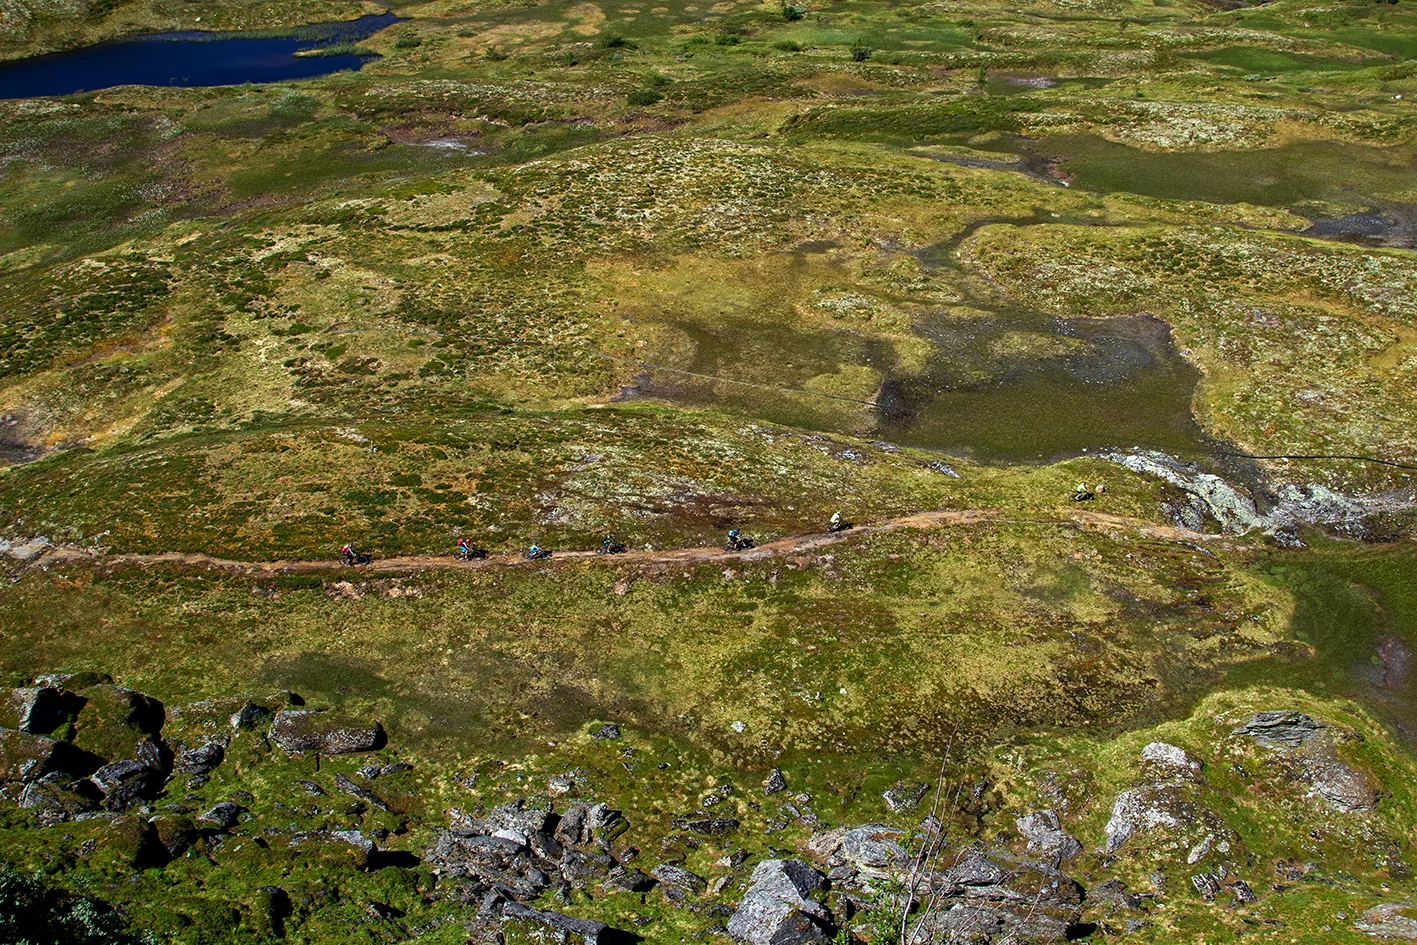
(260, 321)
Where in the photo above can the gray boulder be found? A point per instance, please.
(203, 759)
(522, 924)
(1163, 761)
(223, 815)
(1046, 837)
(127, 783)
(301, 730)
(874, 847)
(347, 847)
(1389, 920)
(676, 877)
(37, 710)
(1170, 809)
(1281, 729)
(1334, 783)
(778, 910)
(624, 879)
(776, 781)
(26, 757)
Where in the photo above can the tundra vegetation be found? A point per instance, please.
(565, 270)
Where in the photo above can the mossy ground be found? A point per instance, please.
(410, 303)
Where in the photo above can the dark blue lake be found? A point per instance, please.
(189, 59)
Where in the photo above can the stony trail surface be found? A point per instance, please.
(58, 556)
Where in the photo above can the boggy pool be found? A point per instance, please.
(190, 58)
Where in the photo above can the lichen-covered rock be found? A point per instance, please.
(175, 832)
(349, 847)
(114, 721)
(776, 781)
(26, 757)
(1167, 808)
(873, 850)
(1163, 761)
(127, 783)
(990, 898)
(1394, 921)
(676, 877)
(202, 759)
(38, 710)
(1303, 755)
(134, 843)
(1281, 729)
(522, 925)
(223, 815)
(301, 730)
(778, 908)
(1046, 837)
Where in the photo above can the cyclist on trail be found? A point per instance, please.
(348, 550)
(534, 550)
(464, 547)
(733, 534)
(836, 518)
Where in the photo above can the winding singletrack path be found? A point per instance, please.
(1081, 518)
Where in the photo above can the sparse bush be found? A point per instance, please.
(787, 45)
(727, 39)
(493, 54)
(792, 13)
(615, 41)
(642, 97)
(860, 52)
(408, 41)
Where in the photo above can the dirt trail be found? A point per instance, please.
(772, 549)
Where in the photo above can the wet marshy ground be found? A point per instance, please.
(1012, 386)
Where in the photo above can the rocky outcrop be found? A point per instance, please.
(1168, 803)
(860, 854)
(1304, 753)
(304, 730)
(37, 710)
(1046, 837)
(1235, 511)
(992, 898)
(223, 815)
(522, 925)
(26, 757)
(1393, 921)
(1162, 761)
(521, 850)
(778, 908)
(116, 723)
(203, 759)
(1209, 497)
(1281, 729)
(127, 783)
(349, 847)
